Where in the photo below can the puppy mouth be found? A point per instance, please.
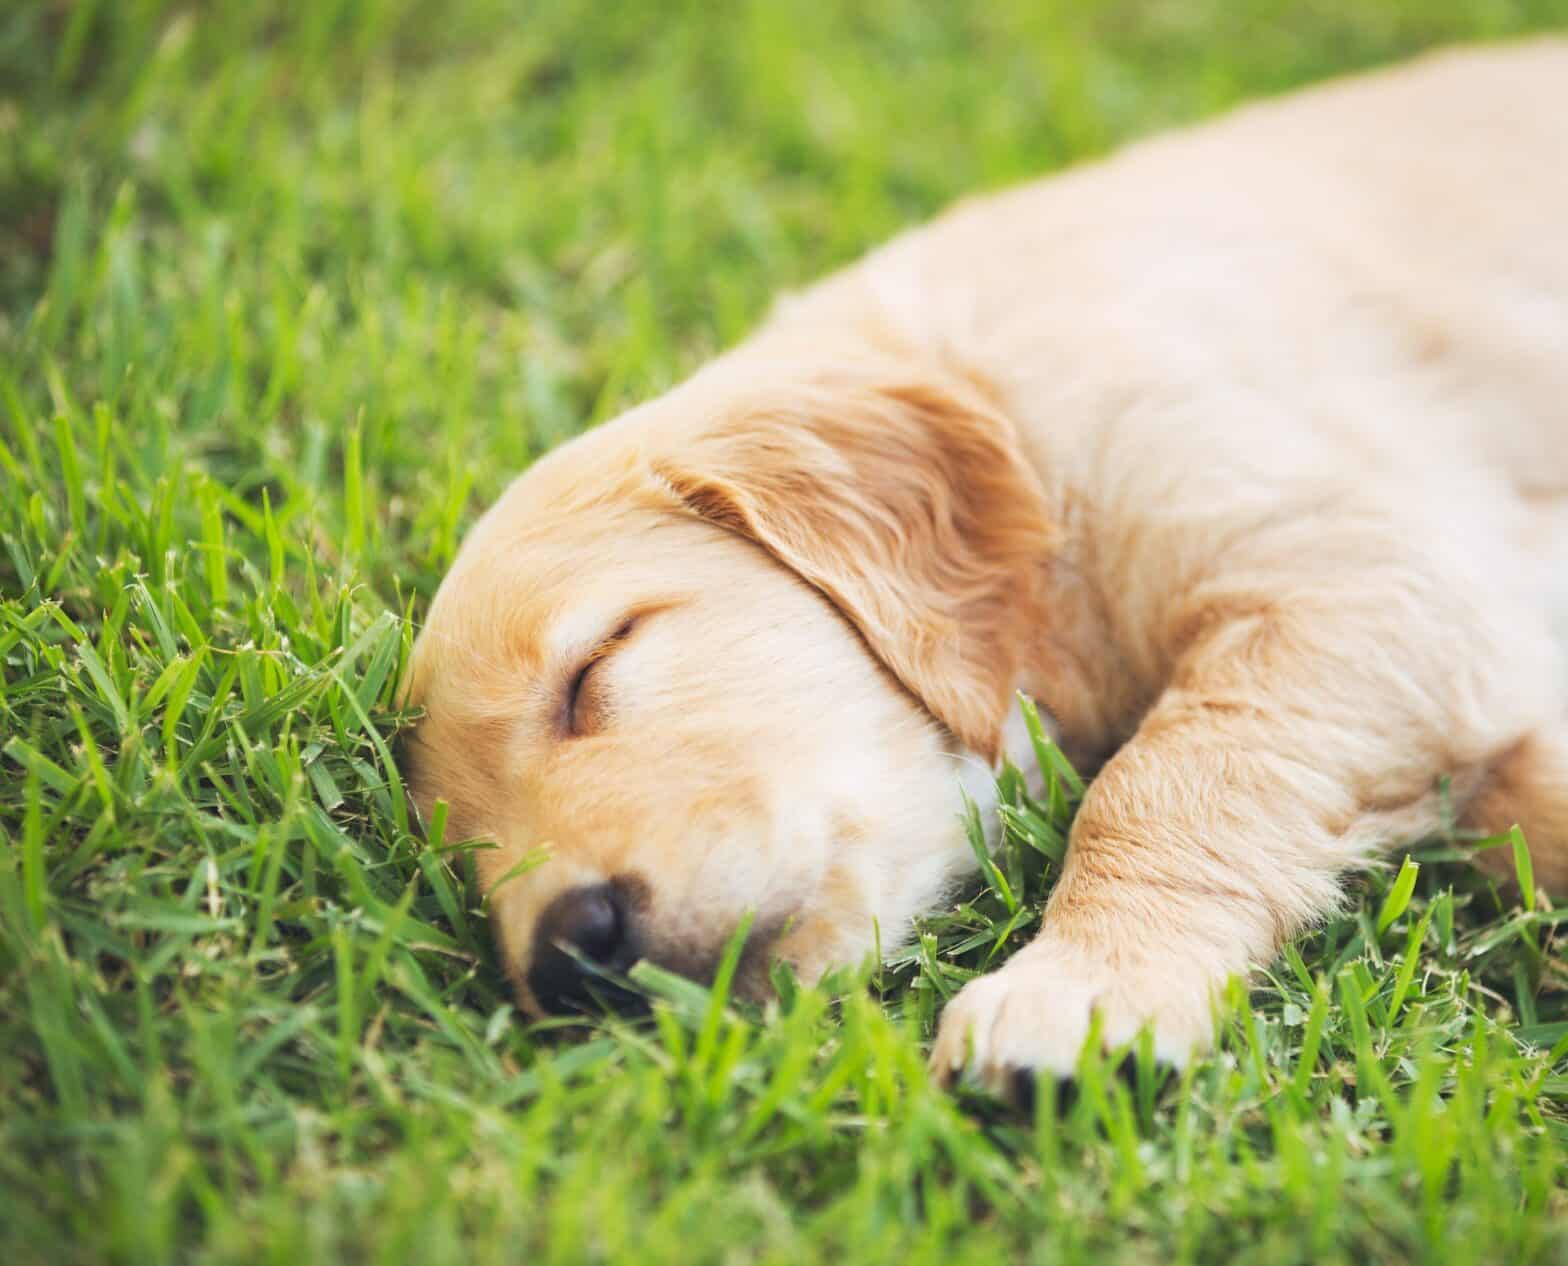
(589, 941)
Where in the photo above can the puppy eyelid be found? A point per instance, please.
(571, 723)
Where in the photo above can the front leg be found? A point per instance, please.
(1166, 893)
(1288, 745)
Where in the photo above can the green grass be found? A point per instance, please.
(285, 297)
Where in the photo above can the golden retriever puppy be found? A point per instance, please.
(1245, 453)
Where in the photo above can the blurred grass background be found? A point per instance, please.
(287, 293)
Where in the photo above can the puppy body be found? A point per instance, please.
(1245, 453)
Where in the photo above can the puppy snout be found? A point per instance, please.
(583, 934)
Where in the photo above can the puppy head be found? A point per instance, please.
(731, 653)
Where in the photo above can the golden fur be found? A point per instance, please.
(1245, 453)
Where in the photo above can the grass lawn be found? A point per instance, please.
(287, 293)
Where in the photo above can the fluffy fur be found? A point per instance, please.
(1245, 453)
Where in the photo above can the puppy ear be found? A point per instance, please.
(909, 505)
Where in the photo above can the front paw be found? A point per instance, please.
(1036, 1014)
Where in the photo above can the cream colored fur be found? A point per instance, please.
(1244, 452)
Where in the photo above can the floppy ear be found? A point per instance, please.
(909, 505)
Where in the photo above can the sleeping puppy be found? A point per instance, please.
(1244, 453)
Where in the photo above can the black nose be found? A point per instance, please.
(583, 934)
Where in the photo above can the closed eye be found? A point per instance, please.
(583, 710)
